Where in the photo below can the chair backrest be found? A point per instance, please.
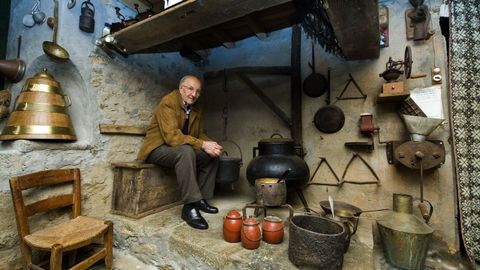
(42, 179)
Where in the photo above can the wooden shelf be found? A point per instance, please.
(203, 24)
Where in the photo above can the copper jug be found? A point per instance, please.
(232, 226)
(251, 234)
(405, 237)
(40, 111)
(272, 229)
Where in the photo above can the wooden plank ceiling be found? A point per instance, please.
(202, 24)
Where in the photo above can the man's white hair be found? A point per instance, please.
(184, 78)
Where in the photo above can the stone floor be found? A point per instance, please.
(164, 241)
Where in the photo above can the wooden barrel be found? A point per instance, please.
(41, 112)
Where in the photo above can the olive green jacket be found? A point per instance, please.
(166, 124)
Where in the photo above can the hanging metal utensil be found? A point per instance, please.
(38, 16)
(314, 84)
(51, 48)
(329, 118)
(87, 22)
(71, 4)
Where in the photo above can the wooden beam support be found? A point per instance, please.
(256, 27)
(278, 70)
(296, 86)
(222, 37)
(265, 99)
(185, 18)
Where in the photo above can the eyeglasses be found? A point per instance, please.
(192, 89)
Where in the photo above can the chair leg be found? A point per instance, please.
(108, 240)
(26, 254)
(56, 257)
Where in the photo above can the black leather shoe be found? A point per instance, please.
(203, 205)
(193, 218)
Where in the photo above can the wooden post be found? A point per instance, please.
(296, 86)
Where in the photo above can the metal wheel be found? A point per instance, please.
(407, 61)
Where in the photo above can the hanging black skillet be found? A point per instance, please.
(314, 84)
(329, 118)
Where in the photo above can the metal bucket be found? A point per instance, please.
(316, 242)
(229, 167)
(40, 111)
(270, 192)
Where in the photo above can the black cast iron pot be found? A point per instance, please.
(275, 156)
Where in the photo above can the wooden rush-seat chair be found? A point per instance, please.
(78, 232)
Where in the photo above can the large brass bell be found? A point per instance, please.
(40, 111)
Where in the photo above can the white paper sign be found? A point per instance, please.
(429, 99)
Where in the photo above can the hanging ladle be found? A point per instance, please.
(285, 174)
(51, 48)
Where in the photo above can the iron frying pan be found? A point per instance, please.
(314, 84)
(329, 118)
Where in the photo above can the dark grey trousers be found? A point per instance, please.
(195, 170)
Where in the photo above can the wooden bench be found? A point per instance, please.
(141, 189)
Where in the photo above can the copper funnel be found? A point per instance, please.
(420, 127)
(12, 69)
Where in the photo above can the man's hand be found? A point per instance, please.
(213, 149)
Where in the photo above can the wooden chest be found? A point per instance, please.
(140, 189)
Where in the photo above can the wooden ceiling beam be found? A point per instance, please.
(185, 18)
(257, 27)
(222, 37)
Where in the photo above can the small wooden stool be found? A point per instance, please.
(141, 189)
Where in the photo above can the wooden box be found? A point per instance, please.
(141, 189)
(393, 92)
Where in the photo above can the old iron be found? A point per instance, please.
(229, 167)
(316, 242)
(275, 156)
(87, 22)
(271, 191)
